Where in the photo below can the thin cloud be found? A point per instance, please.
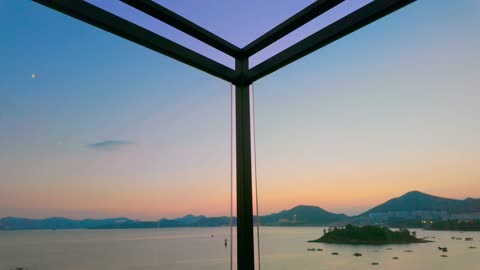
(109, 145)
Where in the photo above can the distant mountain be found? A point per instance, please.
(412, 209)
(187, 221)
(419, 201)
(214, 222)
(60, 223)
(302, 215)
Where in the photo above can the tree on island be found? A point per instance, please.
(368, 235)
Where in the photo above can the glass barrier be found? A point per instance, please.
(111, 156)
(380, 128)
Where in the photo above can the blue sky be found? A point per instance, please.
(389, 109)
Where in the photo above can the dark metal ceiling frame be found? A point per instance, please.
(242, 76)
(346, 25)
(165, 15)
(105, 20)
(307, 14)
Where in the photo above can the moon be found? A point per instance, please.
(34, 75)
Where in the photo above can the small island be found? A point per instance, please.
(368, 235)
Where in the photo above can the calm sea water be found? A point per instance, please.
(195, 248)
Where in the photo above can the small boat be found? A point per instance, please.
(468, 238)
(395, 258)
(389, 248)
(408, 250)
(356, 254)
(443, 255)
(334, 253)
(319, 249)
(444, 249)
(375, 263)
(458, 238)
(472, 247)
(310, 249)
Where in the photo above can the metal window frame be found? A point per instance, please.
(242, 76)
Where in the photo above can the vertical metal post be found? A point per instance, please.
(245, 243)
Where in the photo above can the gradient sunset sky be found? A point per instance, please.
(107, 128)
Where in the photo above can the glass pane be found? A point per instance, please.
(239, 22)
(111, 156)
(152, 24)
(379, 128)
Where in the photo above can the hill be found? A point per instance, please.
(186, 221)
(302, 215)
(412, 209)
(419, 201)
(56, 223)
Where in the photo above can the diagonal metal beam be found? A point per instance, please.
(302, 17)
(100, 18)
(167, 16)
(348, 24)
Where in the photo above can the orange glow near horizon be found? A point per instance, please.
(350, 192)
(119, 130)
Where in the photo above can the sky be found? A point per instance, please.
(92, 125)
